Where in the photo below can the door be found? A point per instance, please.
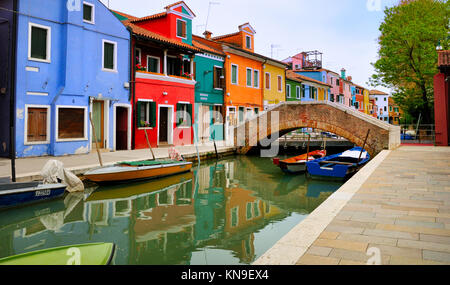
(121, 128)
(98, 118)
(163, 125)
(205, 123)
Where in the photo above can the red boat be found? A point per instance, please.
(297, 164)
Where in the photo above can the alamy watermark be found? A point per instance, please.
(373, 5)
(73, 5)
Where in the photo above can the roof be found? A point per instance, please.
(255, 54)
(225, 36)
(319, 69)
(444, 58)
(300, 78)
(154, 36)
(151, 17)
(178, 3)
(204, 45)
(377, 92)
(128, 16)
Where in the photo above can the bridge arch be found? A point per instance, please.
(327, 116)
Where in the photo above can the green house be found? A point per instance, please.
(209, 91)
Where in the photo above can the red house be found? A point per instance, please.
(163, 86)
(441, 104)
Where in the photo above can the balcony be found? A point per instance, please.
(140, 74)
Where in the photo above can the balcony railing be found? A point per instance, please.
(160, 76)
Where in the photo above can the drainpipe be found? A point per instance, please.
(132, 95)
(12, 120)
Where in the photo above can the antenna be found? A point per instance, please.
(272, 46)
(209, 8)
(199, 26)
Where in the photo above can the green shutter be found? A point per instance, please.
(138, 114)
(108, 61)
(178, 114)
(189, 110)
(38, 43)
(152, 114)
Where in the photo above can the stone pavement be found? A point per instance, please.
(29, 168)
(396, 210)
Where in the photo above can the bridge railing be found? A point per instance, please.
(421, 134)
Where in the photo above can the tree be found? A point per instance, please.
(407, 60)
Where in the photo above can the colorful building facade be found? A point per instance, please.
(209, 90)
(308, 89)
(441, 100)
(163, 91)
(71, 65)
(382, 102)
(395, 112)
(274, 79)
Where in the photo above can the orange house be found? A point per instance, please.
(244, 75)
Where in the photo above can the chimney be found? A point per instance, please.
(349, 78)
(207, 35)
(343, 73)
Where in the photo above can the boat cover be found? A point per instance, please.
(354, 154)
(54, 170)
(149, 162)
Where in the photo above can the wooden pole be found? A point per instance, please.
(307, 148)
(215, 147)
(95, 139)
(364, 145)
(149, 145)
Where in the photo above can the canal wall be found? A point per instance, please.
(28, 169)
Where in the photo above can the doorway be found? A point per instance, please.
(165, 123)
(121, 128)
(98, 119)
(204, 123)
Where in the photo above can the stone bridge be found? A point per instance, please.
(326, 116)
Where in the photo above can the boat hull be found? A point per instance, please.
(297, 164)
(320, 168)
(293, 168)
(84, 254)
(124, 173)
(21, 196)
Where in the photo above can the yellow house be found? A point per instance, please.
(274, 78)
(366, 101)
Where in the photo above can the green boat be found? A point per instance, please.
(82, 254)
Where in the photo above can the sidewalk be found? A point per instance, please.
(396, 210)
(29, 168)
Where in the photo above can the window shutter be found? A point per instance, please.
(138, 114)
(38, 43)
(178, 114)
(222, 78)
(194, 72)
(184, 29)
(189, 110)
(215, 77)
(152, 114)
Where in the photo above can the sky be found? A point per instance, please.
(345, 31)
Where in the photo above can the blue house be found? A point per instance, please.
(72, 64)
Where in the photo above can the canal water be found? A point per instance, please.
(226, 212)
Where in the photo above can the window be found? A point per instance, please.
(146, 114)
(256, 111)
(217, 114)
(181, 28)
(337, 81)
(234, 216)
(288, 91)
(385, 99)
(39, 43)
(303, 91)
(241, 114)
(249, 210)
(109, 56)
(256, 211)
(356, 105)
(184, 115)
(313, 92)
(396, 109)
(88, 13)
(248, 42)
(138, 53)
(234, 74)
(332, 97)
(153, 64)
(376, 98)
(297, 89)
(280, 82)
(71, 123)
(249, 77)
(173, 66)
(267, 77)
(219, 82)
(390, 108)
(37, 126)
(256, 78)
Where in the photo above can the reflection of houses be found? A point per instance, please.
(209, 203)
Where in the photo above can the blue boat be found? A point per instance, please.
(339, 166)
(15, 194)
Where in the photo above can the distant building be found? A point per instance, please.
(382, 102)
(441, 102)
(395, 112)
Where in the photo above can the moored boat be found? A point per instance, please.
(297, 164)
(339, 166)
(126, 171)
(15, 194)
(83, 254)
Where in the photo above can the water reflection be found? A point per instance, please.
(228, 212)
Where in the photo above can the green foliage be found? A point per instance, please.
(407, 60)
